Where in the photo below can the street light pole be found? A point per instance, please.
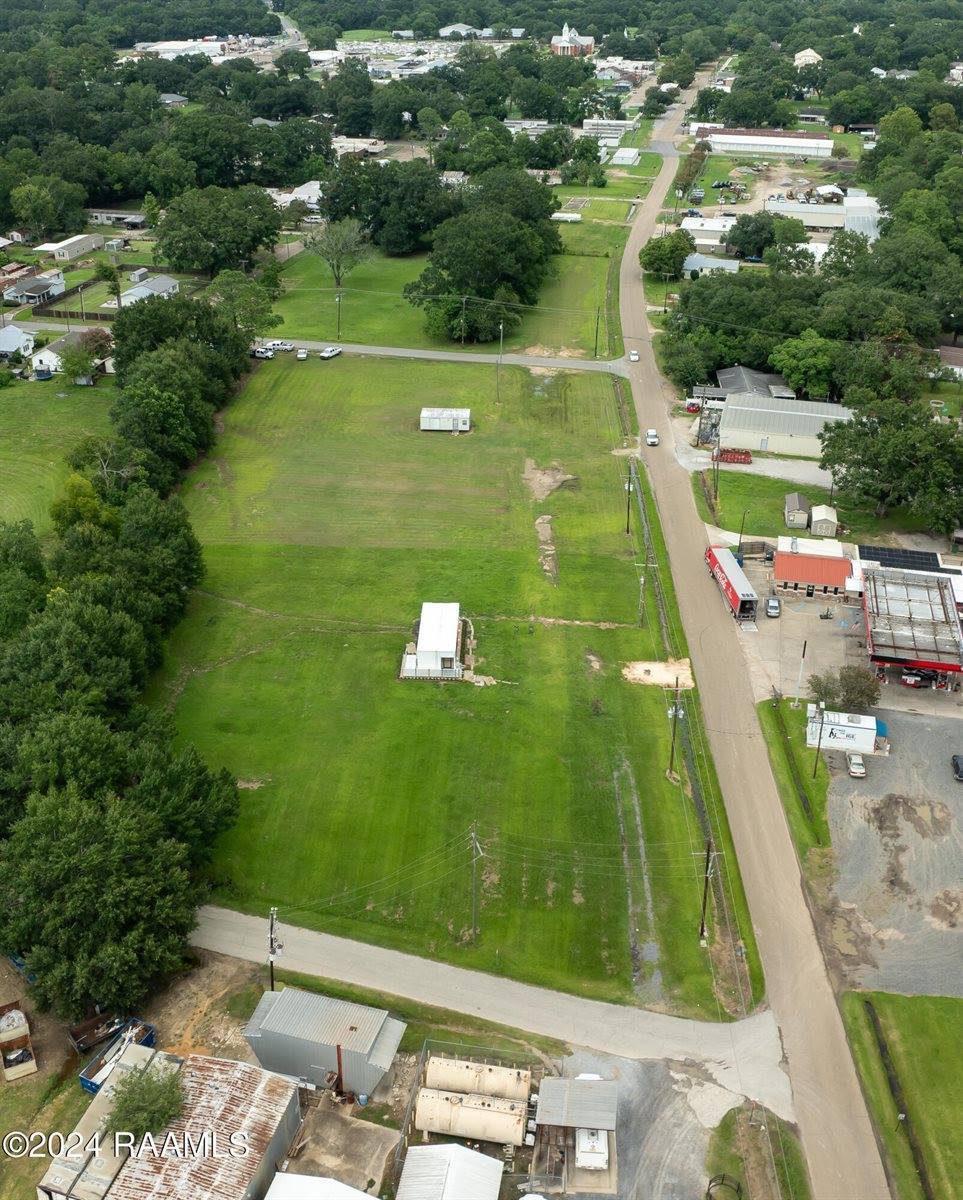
(819, 740)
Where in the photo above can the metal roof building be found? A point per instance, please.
(912, 619)
(449, 1173)
(777, 424)
(449, 420)
(316, 1038)
(577, 1103)
(312, 1187)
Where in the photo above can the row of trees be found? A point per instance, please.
(106, 822)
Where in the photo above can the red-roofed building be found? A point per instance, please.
(815, 574)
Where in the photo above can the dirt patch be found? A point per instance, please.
(542, 482)
(850, 940)
(930, 818)
(660, 674)
(547, 554)
(593, 660)
(946, 908)
(250, 785)
(549, 371)
(553, 352)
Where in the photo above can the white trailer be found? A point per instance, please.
(447, 420)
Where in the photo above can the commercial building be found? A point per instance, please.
(778, 142)
(708, 231)
(449, 1173)
(326, 1042)
(475, 1118)
(855, 213)
(607, 127)
(438, 652)
(912, 619)
(814, 568)
(779, 425)
(581, 1114)
(570, 44)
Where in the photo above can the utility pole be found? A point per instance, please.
(598, 318)
(274, 946)
(476, 854)
(498, 365)
(705, 891)
(628, 502)
(464, 301)
(337, 305)
(802, 661)
(741, 530)
(675, 724)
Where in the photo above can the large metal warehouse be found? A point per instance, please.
(795, 142)
(477, 1118)
(327, 1042)
(777, 424)
(449, 1173)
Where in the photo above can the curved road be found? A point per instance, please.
(840, 1146)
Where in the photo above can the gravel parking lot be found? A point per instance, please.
(898, 838)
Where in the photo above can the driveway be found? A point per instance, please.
(743, 1057)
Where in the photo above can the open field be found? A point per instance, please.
(375, 312)
(327, 519)
(924, 1035)
(762, 498)
(39, 423)
(365, 35)
(792, 765)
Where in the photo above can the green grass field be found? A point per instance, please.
(39, 423)
(327, 519)
(374, 311)
(762, 498)
(767, 1133)
(925, 1039)
(365, 35)
(792, 762)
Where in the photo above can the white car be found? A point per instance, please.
(261, 352)
(633, 356)
(651, 437)
(855, 766)
(330, 352)
(277, 344)
(302, 354)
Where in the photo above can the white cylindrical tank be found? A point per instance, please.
(480, 1079)
(476, 1118)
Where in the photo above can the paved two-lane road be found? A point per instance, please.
(841, 1150)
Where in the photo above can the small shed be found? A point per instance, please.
(796, 509)
(328, 1042)
(447, 420)
(577, 1103)
(823, 521)
(438, 652)
(138, 275)
(449, 1173)
(113, 245)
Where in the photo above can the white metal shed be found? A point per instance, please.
(449, 1173)
(448, 420)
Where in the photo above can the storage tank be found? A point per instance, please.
(480, 1079)
(476, 1118)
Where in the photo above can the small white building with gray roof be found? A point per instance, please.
(777, 424)
(449, 1173)
(324, 1041)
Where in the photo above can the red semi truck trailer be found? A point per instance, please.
(732, 581)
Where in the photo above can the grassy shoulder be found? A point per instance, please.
(41, 1106)
(804, 796)
(762, 499)
(924, 1036)
(764, 1156)
(425, 1022)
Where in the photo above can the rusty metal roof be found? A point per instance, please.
(220, 1098)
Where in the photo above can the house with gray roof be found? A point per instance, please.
(157, 285)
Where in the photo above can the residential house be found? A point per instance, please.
(571, 44)
(116, 216)
(164, 286)
(308, 193)
(517, 31)
(76, 247)
(14, 340)
(708, 231)
(708, 264)
(358, 146)
(795, 510)
(36, 289)
(21, 236)
(48, 359)
(173, 100)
